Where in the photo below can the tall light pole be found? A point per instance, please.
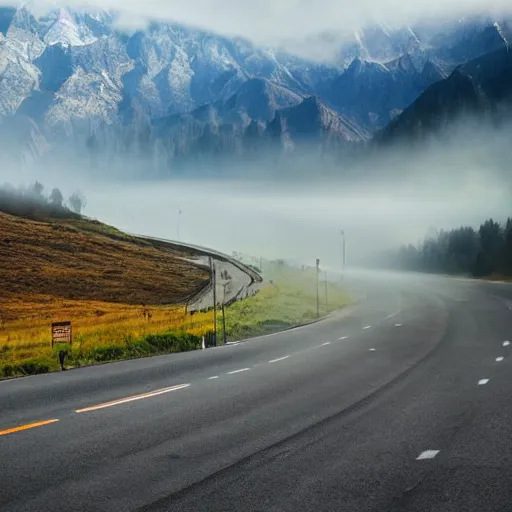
(214, 284)
(342, 232)
(178, 223)
(317, 286)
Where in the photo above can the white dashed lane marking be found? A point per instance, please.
(428, 454)
(278, 360)
(372, 350)
(506, 343)
(398, 325)
(367, 327)
(320, 346)
(213, 378)
(343, 338)
(499, 359)
(483, 382)
(239, 371)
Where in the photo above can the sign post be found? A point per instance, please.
(61, 333)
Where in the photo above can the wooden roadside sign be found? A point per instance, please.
(61, 333)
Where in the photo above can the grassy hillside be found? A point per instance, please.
(76, 260)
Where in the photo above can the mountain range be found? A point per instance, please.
(72, 82)
(480, 90)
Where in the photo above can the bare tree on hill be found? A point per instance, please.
(56, 198)
(77, 202)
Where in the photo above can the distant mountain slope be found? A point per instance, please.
(214, 130)
(453, 43)
(312, 119)
(377, 43)
(388, 68)
(372, 93)
(482, 87)
(447, 44)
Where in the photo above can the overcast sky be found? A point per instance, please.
(299, 25)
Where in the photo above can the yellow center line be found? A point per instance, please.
(26, 427)
(132, 398)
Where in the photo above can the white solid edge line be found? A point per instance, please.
(286, 331)
(428, 454)
(213, 378)
(132, 398)
(278, 360)
(367, 327)
(483, 382)
(499, 359)
(239, 371)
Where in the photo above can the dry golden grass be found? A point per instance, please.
(94, 324)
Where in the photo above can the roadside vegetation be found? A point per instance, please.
(125, 296)
(287, 300)
(102, 332)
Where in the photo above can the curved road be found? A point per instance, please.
(243, 280)
(402, 403)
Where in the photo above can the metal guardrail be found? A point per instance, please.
(205, 251)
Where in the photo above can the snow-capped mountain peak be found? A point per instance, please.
(66, 31)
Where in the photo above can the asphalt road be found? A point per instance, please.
(401, 403)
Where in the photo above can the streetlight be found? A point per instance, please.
(342, 232)
(317, 290)
(213, 271)
(178, 223)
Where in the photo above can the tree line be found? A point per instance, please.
(477, 252)
(32, 201)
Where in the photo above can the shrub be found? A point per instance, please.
(106, 353)
(7, 371)
(34, 367)
(173, 342)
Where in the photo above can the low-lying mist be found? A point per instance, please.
(385, 199)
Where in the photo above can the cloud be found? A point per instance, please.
(304, 26)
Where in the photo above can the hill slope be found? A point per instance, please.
(83, 260)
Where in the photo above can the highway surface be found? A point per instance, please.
(403, 402)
